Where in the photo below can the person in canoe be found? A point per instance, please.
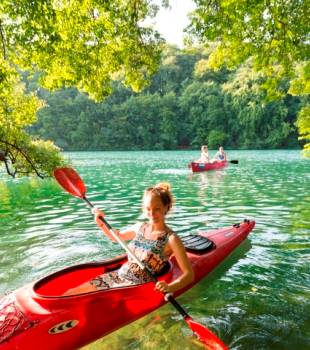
(220, 155)
(204, 156)
(153, 242)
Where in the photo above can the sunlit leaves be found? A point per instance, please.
(301, 84)
(22, 155)
(85, 43)
(303, 123)
(275, 34)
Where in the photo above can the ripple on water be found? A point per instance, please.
(257, 299)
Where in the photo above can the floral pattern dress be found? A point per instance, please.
(149, 251)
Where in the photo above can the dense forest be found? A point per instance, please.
(185, 105)
(96, 75)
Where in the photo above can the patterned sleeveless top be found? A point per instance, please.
(150, 252)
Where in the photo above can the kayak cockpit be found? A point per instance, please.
(57, 284)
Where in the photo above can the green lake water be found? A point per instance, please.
(258, 298)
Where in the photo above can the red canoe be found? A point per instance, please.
(198, 167)
(38, 316)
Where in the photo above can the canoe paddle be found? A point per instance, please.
(71, 182)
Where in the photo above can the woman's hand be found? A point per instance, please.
(163, 287)
(97, 213)
(98, 216)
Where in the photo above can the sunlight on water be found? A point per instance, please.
(257, 299)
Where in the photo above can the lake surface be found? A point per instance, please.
(259, 298)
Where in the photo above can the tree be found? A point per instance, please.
(256, 122)
(201, 103)
(87, 44)
(21, 154)
(274, 34)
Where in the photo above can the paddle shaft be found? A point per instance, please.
(168, 296)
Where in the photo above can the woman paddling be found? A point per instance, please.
(152, 242)
(220, 155)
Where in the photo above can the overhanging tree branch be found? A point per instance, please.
(20, 151)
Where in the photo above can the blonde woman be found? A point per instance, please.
(204, 156)
(152, 242)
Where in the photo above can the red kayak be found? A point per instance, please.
(39, 316)
(198, 167)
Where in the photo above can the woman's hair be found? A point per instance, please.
(161, 190)
(203, 147)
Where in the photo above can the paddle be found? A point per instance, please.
(70, 181)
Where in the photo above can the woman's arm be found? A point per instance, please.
(187, 276)
(125, 235)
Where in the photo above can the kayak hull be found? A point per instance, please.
(39, 313)
(199, 167)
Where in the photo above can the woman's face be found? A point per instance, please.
(154, 209)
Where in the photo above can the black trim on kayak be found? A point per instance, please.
(197, 244)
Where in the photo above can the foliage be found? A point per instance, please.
(274, 34)
(261, 124)
(301, 86)
(98, 49)
(87, 44)
(186, 105)
(216, 138)
(303, 123)
(21, 154)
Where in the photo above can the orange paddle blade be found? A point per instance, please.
(70, 181)
(211, 341)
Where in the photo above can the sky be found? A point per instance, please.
(170, 23)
